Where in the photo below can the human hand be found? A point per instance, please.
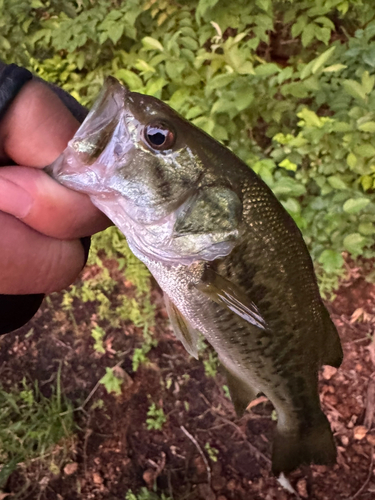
(40, 220)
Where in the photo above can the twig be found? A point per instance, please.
(370, 404)
(193, 440)
(170, 485)
(90, 395)
(87, 435)
(367, 479)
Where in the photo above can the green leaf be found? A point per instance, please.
(355, 205)
(367, 182)
(267, 69)
(354, 243)
(334, 68)
(143, 66)
(336, 182)
(116, 31)
(194, 112)
(351, 160)
(111, 382)
(365, 150)
(292, 206)
(189, 43)
(331, 260)
(322, 59)
(174, 69)
(311, 118)
(204, 6)
(367, 82)
(322, 34)
(308, 34)
(299, 25)
(206, 124)
(367, 127)
(288, 186)
(129, 78)
(341, 127)
(220, 81)
(307, 70)
(264, 4)
(288, 165)
(325, 21)
(366, 228)
(150, 43)
(354, 89)
(246, 68)
(154, 87)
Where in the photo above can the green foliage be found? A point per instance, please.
(226, 392)
(145, 494)
(98, 335)
(211, 364)
(111, 382)
(101, 289)
(211, 452)
(155, 418)
(140, 353)
(286, 84)
(33, 426)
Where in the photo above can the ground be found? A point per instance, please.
(202, 451)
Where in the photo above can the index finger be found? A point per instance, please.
(37, 126)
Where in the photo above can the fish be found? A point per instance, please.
(230, 260)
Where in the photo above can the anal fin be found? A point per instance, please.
(332, 350)
(240, 392)
(183, 330)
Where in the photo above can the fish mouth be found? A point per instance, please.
(100, 142)
(102, 123)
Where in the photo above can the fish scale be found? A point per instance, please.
(231, 261)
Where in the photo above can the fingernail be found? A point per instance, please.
(14, 199)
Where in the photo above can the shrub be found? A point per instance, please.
(288, 85)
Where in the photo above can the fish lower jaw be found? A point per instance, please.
(151, 255)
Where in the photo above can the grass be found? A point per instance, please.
(34, 427)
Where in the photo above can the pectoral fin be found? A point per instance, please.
(229, 295)
(184, 332)
(240, 392)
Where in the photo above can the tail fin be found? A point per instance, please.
(311, 445)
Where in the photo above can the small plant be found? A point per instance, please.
(98, 335)
(140, 356)
(211, 364)
(211, 452)
(111, 382)
(145, 494)
(156, 418)
(226, 391)
(140, 353)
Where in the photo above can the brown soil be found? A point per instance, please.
(115, 452)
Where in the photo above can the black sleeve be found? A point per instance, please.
(17, 310)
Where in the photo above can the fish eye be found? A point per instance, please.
(159, 135)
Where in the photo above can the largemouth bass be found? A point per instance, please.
(231, 261)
